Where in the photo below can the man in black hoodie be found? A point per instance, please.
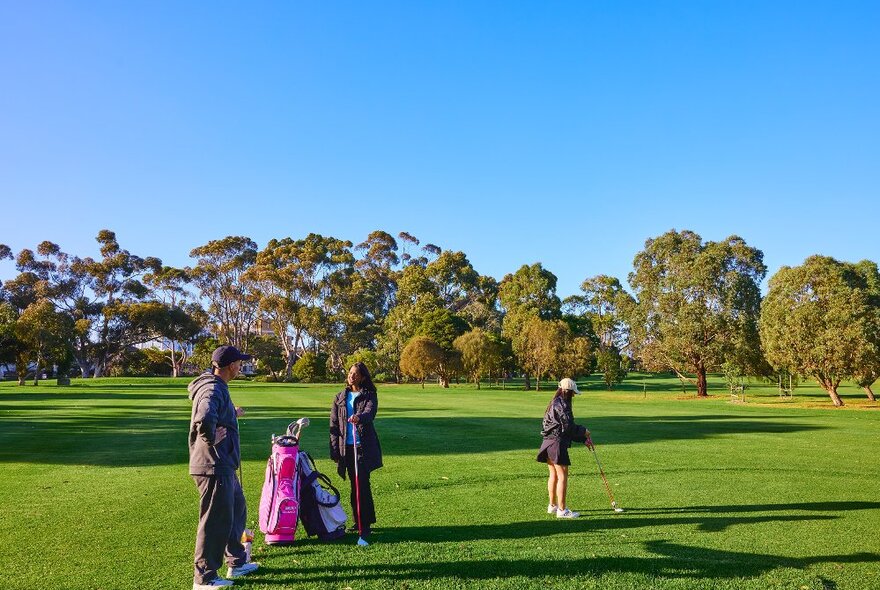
(214, 456)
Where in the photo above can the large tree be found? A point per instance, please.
(479, 353)
(551, 348)
(697, 304)
(232, 302)
(45, 335)
(299, 284)
(819, 319)
(421, 357)
(607, 306)
(528, 293)
(185, 319)
(97, 295)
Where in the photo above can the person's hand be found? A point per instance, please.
(589, 442)
(239, 411)
(219, 435)
(354, 419)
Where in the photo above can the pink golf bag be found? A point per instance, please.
(279, 504)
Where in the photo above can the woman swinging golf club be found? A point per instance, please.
(559, 430)
(354, 445)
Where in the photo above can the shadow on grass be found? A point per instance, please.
(155, 434)
(669, 560)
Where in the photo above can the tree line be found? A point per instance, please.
(309, 307)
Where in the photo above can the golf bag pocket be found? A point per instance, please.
(320, 510)
(279, 503)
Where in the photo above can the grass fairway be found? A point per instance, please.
(95, 494)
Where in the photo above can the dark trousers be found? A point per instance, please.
(222, 515)
(368, 508)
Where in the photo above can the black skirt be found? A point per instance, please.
(553, 451)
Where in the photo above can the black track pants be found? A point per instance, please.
(222, 515)
(368, 508)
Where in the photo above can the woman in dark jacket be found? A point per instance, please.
(351, 423)
(559, 430)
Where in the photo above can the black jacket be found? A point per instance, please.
(370, 452)
(212, 407)
(559, 423)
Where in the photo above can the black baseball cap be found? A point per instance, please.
(226, 355)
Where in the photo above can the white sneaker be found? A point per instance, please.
(215, 583)
(566, 513)
(242, 570)
(551, 509)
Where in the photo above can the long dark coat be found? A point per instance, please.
(370, 452)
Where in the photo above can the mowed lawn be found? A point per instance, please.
(771, 493)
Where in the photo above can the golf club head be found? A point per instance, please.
(618, 510)
(362, 542)
(303, 422)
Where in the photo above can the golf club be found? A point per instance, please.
(357, 495)
(614, 505)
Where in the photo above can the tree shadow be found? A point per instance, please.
(419, 436)
(669, 560)
(151, 434)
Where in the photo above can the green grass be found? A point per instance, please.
(767, 494)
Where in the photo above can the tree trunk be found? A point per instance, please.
(832, 391)
(829, 385)
(528, 384)
(37, 370)
(870, 393)
(702, 385)
(84, 367)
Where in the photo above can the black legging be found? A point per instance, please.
(368, 508)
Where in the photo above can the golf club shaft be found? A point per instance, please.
(604, 479)
(357, 490)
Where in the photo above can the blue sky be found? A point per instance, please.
(559, 132)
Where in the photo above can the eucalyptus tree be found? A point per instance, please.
(218, 274)
(416, 296)
(528, 293)
(45, 336)
(117, 282)
(299, 284)
(819, 319)
(375, 288)
(97, 295)
(607, 306)
(184, 317)
(697, 304)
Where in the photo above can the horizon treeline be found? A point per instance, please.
(307, 308)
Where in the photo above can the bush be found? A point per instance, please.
(311, 367)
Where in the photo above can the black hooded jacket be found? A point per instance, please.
(559, 423)
(212, 407)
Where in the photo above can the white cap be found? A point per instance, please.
(569, 385)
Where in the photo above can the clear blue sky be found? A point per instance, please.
(559, 132)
